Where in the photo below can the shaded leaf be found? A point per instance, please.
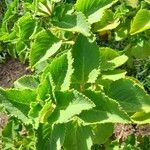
(102, 132)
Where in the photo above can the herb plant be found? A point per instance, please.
(79, 90)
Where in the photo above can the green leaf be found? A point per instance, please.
(46, 88)
(25, 96)
(130, 95)
(102, 132)
(17, 102)
(107, 22)
(132, 3)
(78, 137)
(86, 60)
(148, 1)
(74, 23)
(57, 136)
(26, 25)
(113, 75)
(33, 114)
(140, 22)
(44, 46)
(46, 111)
(122, 31)
(107, 110)
(9, 14)
(8, 135)
(141, 118)
(18, 136)
(141, 49)
(111, 59)
(26, 82)
(61, 70)
(69, 104)
(95, 9)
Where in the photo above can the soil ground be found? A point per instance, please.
(10, 71)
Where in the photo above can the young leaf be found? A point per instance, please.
(44, 46)
(140, 22)
(46, 88)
